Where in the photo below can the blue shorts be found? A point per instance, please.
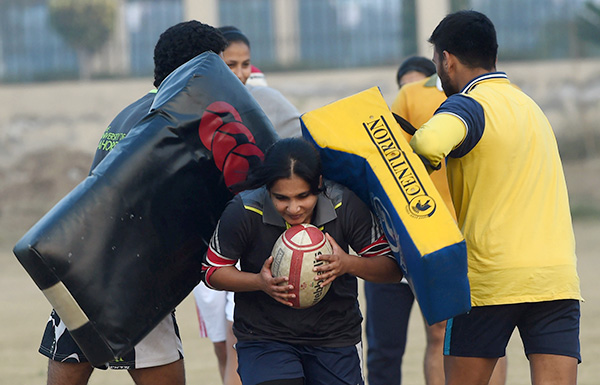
(545, 327)
(261, 361)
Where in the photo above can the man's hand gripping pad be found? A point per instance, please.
(362, 147)
(122, 249)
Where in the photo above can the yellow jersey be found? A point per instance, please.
(509, 192)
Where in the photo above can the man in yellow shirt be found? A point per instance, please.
(419, 96)
(416, 103)
(509, 193)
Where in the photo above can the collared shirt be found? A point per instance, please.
(509, 191)
(261, 203)
(247, 231)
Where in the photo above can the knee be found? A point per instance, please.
(173, 373)
(435, 333)
(76, 373)
(220, 351)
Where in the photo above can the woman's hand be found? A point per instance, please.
(271, 285)
(381, 268)
(338, 263)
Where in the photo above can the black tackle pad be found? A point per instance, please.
(124, 248)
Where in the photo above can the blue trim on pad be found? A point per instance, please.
(438, 278)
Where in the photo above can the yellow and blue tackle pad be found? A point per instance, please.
(362, 147)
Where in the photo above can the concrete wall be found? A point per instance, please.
(568, 91)
(74, 114)
(429, 14)
(205, 11)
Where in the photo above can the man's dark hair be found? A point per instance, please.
(183, 42)
(468, 35)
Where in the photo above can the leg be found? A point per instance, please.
(388, 311)
(169, 374)
(158, 358)
(499, 374)
(327, 366)
(231, 375)
(434, 358)
(269, 362)
(550, 335)
(211, 311)
(220, 349)
(468, 370)
(551, 369)
(64, 366)
(475, 341)
(433, 364)
(67, 373)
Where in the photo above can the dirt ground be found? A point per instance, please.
(47, 136)
(25, 311)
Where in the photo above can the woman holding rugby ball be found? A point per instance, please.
(278, 344)
(215, 309)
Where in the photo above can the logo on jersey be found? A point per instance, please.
(418, 202)
(110, 139)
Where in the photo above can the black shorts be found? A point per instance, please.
(545, 327)
(160, 347)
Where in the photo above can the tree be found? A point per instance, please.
(86, 25)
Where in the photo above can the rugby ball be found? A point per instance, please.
(294, 255)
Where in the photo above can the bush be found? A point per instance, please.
(86, 25)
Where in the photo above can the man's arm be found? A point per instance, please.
(436, 138)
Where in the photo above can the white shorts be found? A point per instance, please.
(160, 347)
(214, 309)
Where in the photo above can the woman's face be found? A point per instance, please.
(293, 200)
(410, 77)
(237, 57)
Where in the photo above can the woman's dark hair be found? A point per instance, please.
(415, 63)
(287, 157)
(470, 36)
(183, 42)
(233, 34)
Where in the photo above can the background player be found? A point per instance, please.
(158, 358)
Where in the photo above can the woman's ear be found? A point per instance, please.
(320, 182)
